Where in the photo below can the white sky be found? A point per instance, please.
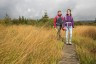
(81, 9)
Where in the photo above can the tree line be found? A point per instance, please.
(45, 20)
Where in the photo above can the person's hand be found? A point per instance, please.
(73, 27)
(56, 29)
(64, 28)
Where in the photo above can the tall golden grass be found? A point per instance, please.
(85, 40)
(29, 45)
(38, 45)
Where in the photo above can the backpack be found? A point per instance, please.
(59, 21)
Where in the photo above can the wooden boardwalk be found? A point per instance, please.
(69, 55)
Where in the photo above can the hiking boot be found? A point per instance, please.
(70, 43)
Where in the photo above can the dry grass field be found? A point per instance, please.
(25, 44)
(28, 45)
(85, 40)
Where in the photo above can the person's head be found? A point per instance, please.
(59, 13)
(69, 12)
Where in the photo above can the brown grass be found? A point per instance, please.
(85, 40)
(29, 45)
(38, 45)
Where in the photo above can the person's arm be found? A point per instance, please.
(63, 25)
(55, 22)
(72, 22)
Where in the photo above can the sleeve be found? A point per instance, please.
(63, 25)
(72, 22)
(55, 22)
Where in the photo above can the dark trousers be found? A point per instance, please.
(58, 31)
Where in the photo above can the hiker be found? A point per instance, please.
(58, 21)
(68, 25)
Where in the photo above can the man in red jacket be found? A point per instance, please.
(58, 21)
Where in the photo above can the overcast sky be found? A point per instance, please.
(81, 9)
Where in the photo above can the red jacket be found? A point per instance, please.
(55, 20)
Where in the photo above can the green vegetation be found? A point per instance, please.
(45, 20)
(88, 23)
